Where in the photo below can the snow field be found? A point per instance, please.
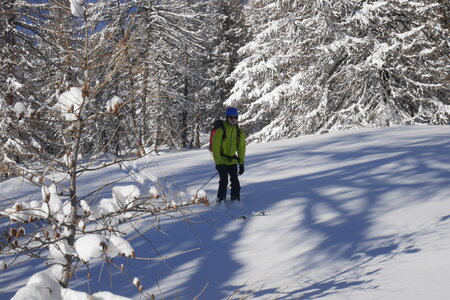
(362, 214)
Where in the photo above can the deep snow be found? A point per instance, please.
(362, 214)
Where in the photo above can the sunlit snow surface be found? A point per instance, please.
(362, 214)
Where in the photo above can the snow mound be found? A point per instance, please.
(42, 285)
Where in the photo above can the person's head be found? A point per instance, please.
(232, 115)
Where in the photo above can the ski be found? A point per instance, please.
(259, 213)
(254, 214)
(234, 210)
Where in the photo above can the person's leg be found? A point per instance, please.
(235, 185)
(223, 182)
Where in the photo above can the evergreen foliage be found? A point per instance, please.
(292, 68)
(317, 66)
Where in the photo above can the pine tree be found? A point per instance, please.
(227, 33)
(20, 84)
(170, 45)
(329, 65)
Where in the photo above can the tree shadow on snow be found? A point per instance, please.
(374, 170)
(360, 175)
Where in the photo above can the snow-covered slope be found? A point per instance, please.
(363, 214)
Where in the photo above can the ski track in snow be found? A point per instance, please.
(361, 214)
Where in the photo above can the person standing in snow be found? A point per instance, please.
(226, 142)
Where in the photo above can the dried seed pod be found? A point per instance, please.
(85, 92)
(13, 231)
(20, 232)
(47, 197)
(104, 246)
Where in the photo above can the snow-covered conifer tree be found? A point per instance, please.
(169, 46)
(327, 65)
(226, 31)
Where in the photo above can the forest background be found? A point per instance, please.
(156, 73)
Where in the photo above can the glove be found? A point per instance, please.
(241, 169)
(219, 167)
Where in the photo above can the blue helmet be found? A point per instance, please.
(231, 112)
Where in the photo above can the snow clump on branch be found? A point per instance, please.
(126, 196)
(96, 246)
(114, 104)
(77, 8)
(69, 102)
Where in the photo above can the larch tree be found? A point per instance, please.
(85, 54)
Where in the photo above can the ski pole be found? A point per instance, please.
(215, 174)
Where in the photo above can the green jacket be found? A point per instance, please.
(223, 150)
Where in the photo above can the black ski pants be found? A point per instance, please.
(224, 172)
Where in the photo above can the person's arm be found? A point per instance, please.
(241, 148)
(216, 145)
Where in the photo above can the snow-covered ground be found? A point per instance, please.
(362, 214)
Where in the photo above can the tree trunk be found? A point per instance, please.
(184, 138)
(197, 132)
(71, 224)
